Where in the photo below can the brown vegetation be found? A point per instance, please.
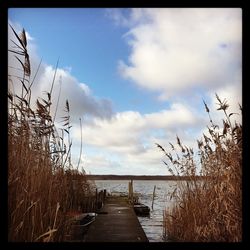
(211, 209)
(42, 185)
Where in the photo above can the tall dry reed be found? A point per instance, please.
(42, 185)
(209, 208)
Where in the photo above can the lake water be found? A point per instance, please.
(153, 225)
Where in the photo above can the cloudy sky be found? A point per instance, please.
(135, 77)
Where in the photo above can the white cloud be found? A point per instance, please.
(102, 162)
(78, 94)
(82, 101)
(175, 50)
(85, 88)
(177, 116)
(126, 131)
(129, 139)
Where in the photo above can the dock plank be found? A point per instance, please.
(117, 223)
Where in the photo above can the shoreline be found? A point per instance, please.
(142, 177)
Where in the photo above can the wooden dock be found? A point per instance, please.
(116, 222)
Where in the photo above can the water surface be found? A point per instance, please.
(153, 225)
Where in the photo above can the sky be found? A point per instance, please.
(135, 77)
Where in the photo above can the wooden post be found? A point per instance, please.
(130, 190)
(104, 195)
(164, 225)
(96, 198)
(153, 197)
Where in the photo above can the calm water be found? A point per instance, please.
(153, 226)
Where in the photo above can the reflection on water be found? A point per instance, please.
(144, 188)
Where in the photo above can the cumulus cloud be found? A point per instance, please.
(173, 52)
(126, 131)
(130, 137)
(82, 101)
(176, 50)
(100, 163)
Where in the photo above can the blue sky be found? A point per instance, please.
(88, 42)
(137, 76)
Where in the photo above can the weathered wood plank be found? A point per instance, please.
(117, 222)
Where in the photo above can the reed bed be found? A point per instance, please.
(208, 208)
(43, 186)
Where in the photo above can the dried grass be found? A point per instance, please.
(42, 185)
(208, 209)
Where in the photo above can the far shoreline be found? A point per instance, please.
(142, 177)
